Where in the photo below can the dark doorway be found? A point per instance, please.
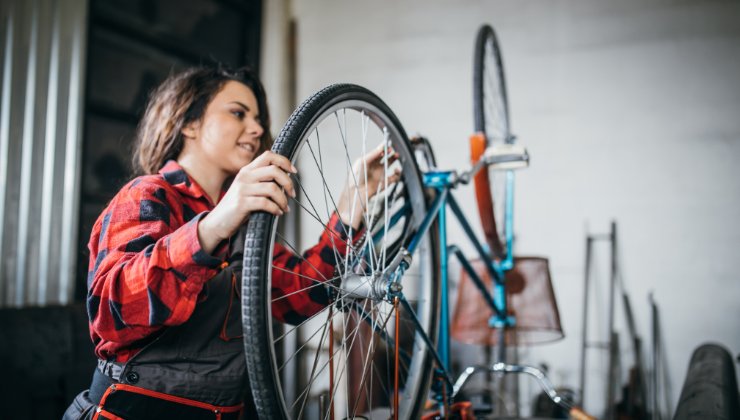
(132, 47)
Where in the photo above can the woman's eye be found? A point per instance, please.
(238, 113)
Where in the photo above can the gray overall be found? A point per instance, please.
(202, 359)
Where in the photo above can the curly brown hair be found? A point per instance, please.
(181, 99)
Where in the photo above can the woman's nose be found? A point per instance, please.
(255, 128)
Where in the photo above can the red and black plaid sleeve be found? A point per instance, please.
(147, 267)
(299, 283)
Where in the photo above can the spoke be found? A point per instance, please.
(395, 196)
(364, 370)
(295, 251)
(349, 236)
(344, 142)
(496, 124)
(306, 343)
(315, 215)
(319, 283)
(381, 331)
(312, 316)
(353, 333)
(347, 350)
(314, 373)
(369, 395)
(295, 327)
(363, 127)
(351, 249)
(327, 283)
(313, 369)
(323, 280)
(348, 163)
(356, 333)
(368, 225)
(320, 166)
(331, 365)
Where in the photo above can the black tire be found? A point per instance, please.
(491, 111)
(275, 395)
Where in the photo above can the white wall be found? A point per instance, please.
(630, 111)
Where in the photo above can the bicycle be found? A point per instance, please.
(378, 347)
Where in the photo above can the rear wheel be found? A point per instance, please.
(491, 109)
(339, 361)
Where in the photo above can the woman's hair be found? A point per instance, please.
(181, 99)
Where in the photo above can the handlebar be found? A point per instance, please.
(504, 368)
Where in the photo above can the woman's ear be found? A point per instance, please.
(190, 130)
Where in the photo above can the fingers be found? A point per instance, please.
(395, 177)
(261, 189)
(376, 153)
(390, 179)
(269, 167)
(270, 174)
(271, 158)
(376, 161)
(384, 167)
(266, 204)
(387, 156)
(232, 212)
(380, 152)
(269, 191)
(391, 157)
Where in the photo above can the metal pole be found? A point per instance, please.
(584, 321)
(612, 283)
(656, 358)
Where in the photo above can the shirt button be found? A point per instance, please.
(132, 377)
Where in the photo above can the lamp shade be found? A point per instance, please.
(530, 301)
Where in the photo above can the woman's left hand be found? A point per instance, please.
(361, 187)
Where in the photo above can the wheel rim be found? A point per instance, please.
(358, 329)
(492, 118)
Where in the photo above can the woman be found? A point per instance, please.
(163, 277)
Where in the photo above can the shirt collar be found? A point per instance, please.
(176, 176)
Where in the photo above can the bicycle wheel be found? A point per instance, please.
(491, 111)
(340, 361)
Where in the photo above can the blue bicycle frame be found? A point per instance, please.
(444, 182)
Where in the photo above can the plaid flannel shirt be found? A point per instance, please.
(147, 267)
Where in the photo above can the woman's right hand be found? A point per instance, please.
(260, 186)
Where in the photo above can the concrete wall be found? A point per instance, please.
(630, 111)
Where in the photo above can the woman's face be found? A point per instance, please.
(228, 136)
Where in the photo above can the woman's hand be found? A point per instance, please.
(260, 186)
(376, 180)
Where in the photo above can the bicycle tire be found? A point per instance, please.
(275, 396)
(491, 112)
